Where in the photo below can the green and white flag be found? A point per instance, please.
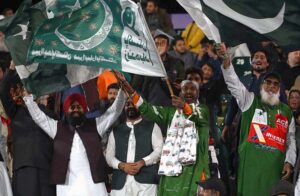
(99, 33)
(241, 59)
(245, 21)
(39, 79)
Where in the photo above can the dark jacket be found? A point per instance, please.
(154, 89)
(160, 20)
(288, 74)
(143, 134)
(62, 150)
(31, 146)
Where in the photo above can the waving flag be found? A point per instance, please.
(50, 76)
(236, 22)
(39, 79)
(106, 33)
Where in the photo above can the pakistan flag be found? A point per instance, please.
(100, 33)
(248, 21)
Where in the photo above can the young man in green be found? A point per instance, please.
(267, 150)
(184, 184)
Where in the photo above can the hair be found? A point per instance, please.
(4, 60)
(184, 82)
(294, 91)
(113, 86)
(194, 70)
(154, 2)
(209, 65)
(206, 40)
(163, 36)
(176, 39)
(263, 51)
(2, 67)
(6, 9)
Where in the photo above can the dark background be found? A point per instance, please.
(170, 5)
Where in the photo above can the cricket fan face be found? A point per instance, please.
(189, 91)
(132, 113)
(260, 61)
(270, 89)
(75, 107)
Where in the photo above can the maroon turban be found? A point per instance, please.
(72, 98)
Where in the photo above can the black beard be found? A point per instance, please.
(76, 120)
(132, 113)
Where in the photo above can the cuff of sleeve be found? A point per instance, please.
(28, 98)
(290, 160)
(187, 109)
(147, 160)
(229, 69)
(115, 164)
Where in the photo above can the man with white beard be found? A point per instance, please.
(267, 149)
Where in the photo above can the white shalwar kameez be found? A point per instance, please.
(132, 187)
(79, 181)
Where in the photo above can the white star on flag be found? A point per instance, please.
(24, 29)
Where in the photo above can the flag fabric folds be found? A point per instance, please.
(245, 21)
(107, 33)
(78, 42)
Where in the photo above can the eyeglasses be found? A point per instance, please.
(78, 107)
(270, 82)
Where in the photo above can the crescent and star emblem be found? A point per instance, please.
(263, 26)
(94, 40)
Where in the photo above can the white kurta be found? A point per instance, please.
(297, 186)
(5, 188)
(132, 187)
(79, 180)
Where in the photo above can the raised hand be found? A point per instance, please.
(287, 171)
(223, 54)
(178, 102)
(12, 65)
(123, 82)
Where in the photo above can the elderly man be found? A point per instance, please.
(267, 149)
(133, 151)
(78, 165)
(184, 157)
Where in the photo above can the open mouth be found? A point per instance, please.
(188, 97)
(258, 63)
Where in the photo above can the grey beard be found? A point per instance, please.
(270, 99)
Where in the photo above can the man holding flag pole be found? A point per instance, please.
(267, 149)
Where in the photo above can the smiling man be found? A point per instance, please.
(182, 163)
(267, 150)
(78, 165)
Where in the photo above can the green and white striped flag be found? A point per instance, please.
(107, 33)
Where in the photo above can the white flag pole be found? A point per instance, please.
(141, 13)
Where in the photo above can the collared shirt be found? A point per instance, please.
(131, 186)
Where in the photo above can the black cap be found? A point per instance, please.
(272, 75)
(282, 187)
(214, 184)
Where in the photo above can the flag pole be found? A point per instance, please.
(153, 43)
